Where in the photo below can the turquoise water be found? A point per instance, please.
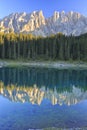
(32, 98)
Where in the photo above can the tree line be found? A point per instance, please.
(54, 47)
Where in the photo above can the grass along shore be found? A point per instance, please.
(43, 64)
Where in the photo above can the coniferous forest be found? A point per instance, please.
(54, 47)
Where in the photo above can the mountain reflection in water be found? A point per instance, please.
(33, 85)
(42, 98)
(36, 95)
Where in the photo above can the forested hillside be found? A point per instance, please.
(54, 47)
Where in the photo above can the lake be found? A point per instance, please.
(33, 98)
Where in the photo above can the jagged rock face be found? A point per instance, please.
(23, 22)
(35, 22)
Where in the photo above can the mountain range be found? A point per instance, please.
(71, 23)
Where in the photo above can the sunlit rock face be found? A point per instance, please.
(67, 23)
(23, 22)
(36, 95)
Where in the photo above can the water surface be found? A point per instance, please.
(32, 98)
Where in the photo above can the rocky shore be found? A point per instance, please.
(44, 64)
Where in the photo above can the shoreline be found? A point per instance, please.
(44, 64)
(64, 129)
(85, 128)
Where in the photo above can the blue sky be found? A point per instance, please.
(48, 6)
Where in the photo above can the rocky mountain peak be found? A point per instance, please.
(40, 13)
(62, 13)
(67, 23)
(55, 16)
